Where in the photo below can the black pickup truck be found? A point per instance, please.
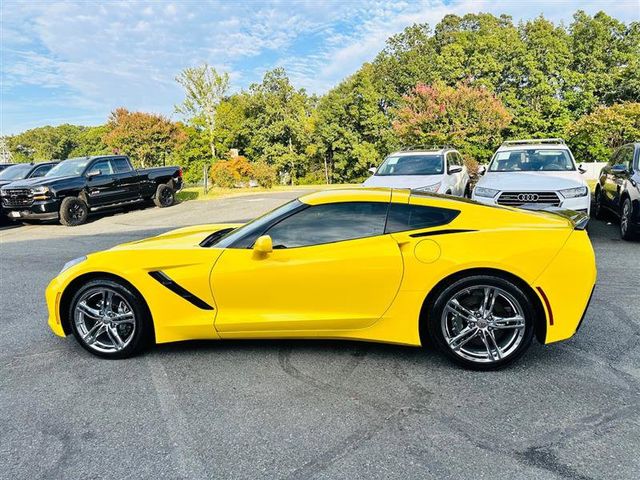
(77, 186)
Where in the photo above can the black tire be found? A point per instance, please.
(598, 209)
(140, 335)
(165, 196)
(438, 321)
(467, 191)
(626, 214)
(73, 211)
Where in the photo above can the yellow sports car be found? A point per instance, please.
(377, 265)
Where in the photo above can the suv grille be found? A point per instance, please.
(17, 197)
(516, 199)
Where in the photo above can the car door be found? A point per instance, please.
(621, 173)
(331, 268)
(101, 183)
(127, 181)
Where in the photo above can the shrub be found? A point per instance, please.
(238, 171)
(264, 174)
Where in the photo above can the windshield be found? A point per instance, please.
(252, 230)
(532, 160)
(424, 164)
(69, 167)
(16, 172)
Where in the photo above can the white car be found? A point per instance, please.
(438, 171)
(540, 172)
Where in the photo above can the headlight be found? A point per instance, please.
(73, 262)
(575, 192)
(429, 188)
(40, 190)
(485, 192)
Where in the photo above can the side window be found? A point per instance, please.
(121, 165)
(104, 166)
(41, 171)
(460, 159)
(329, 223)
(403, 217)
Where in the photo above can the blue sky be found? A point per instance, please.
(75, 61)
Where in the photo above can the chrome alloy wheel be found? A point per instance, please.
(105, 320)
(625, 218)
(483, 324)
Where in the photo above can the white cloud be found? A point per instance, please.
(95, 57)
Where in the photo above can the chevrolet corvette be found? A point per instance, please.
(478, 282)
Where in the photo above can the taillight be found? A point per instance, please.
(180, 172)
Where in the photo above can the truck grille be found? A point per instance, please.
(17, 197)
(516, 199)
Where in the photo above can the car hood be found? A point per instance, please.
(402, 181)
(39, 181)
(531, 181)
(186, 237)
(7, 182)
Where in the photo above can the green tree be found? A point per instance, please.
(204, 90)
(147, 138)
(594, 137)
(278, 119)
(45, 143)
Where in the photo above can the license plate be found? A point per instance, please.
(14, 214)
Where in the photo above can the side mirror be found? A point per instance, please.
(581, 169)
(263, 245)
(372, 170)
(482, 170)
(619, 168)
(94, 173)
(455, 169)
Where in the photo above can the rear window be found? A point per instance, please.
(404, 217)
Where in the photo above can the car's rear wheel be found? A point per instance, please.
(467, 191)
(109, 320)
(73, 211)
(482, 322)
(626, 213)
(165, 196)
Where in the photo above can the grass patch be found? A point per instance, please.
(197, 193)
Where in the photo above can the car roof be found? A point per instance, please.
(439, 151)
(377, 194)
(530, 146)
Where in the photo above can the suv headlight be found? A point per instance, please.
(40, 190)
(72, 263)
(486, 192)
(428, 188)
(575, 192)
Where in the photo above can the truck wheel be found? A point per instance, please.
(165, 196)
(73, 211)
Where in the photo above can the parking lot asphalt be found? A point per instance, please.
(307, 409)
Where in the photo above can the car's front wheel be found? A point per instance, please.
(73, 211)
(482, 322)
(109, 320)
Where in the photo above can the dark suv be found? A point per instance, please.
(618, 190)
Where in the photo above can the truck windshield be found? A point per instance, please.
(423, 164)
(532, 160)
(69, 167)
(16, 172)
